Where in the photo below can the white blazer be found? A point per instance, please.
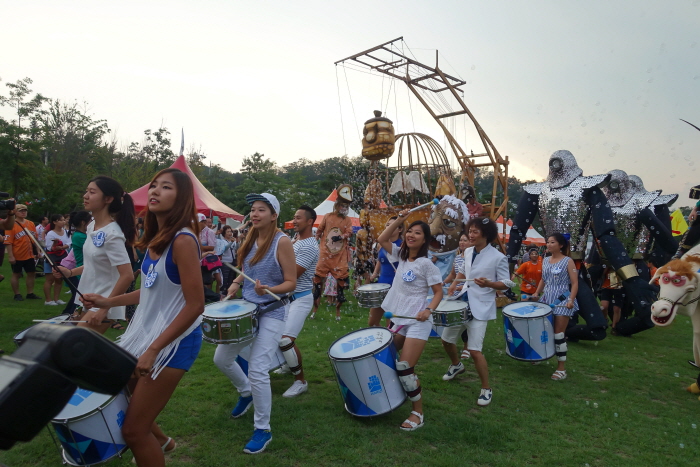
(491, 264)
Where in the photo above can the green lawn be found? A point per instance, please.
(624, 403)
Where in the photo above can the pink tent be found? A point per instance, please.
(207, 204)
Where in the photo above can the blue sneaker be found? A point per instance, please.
(242, 406)
(259, 441)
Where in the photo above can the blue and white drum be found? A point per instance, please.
(229, 322)
(529, 331)
(365, 367)
(90, 427)
(276, 359)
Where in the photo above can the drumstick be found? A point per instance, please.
(463, 280)
(432, 202)
(65, 321)
(277, 297)
(46, 256)
(389, 315)
(525, 280)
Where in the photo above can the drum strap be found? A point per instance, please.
(271, 306)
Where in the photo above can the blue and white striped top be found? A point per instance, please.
(269, 272)
(307, 253)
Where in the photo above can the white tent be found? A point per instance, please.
(327, 206)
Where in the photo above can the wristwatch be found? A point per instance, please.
(430, 309)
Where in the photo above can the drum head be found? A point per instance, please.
(373, 287)
(451, 305)
(81, 403)
(359, 343)
(526, 310)
(228, 309)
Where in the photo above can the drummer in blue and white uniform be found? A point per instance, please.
(384, 270)
(487, 269)
(306, 252)
(267, 256)
(415, 276)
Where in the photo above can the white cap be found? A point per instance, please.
(201, 217)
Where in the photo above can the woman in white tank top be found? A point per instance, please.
(164, 334)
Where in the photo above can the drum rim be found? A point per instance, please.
(92, 412)
(388, 286)
(538, 304)
(358, 357)
(253, 305)
(118, 454)
(238, 341)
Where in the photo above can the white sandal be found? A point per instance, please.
(165, 445)
(559, 375)
(465, 354)
(414, 426)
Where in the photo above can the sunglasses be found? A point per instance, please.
(21, 210)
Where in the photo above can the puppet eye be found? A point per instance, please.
(449, 223)
(666, 279)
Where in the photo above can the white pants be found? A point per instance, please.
(476, 330)
(299, 309)
(257, 382)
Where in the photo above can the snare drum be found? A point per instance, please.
(90, 427)
(19, 337)
(451, 313)
(229, 322)
(364, 362)
(372, 295)
(276, 359)
(529, 331)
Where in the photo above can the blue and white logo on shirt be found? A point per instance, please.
(409, 276)
(99, 239)
(151, 277)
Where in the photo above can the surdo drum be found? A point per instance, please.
(89, 427)
(229, 322)
(529, 331)
(372, 295)
(364, 363)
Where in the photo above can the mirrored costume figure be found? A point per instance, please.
(574, 204)
(636, 226)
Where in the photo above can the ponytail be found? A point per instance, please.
(122, 206)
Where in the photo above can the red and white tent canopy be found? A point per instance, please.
(533, 237)
(326, 207)
(207, 203)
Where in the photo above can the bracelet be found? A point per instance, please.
(234, 282)
(71, 272)
(627, 272)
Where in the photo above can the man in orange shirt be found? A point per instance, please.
(21, 254)
(531, 273)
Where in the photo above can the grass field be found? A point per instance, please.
(624, 403)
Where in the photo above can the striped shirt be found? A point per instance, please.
(269, 272)
(306, 252)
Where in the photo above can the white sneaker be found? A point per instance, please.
(283, 370)
(297, 388)
(51, 303)
(485, 397)
(453, 371)
(60, 302)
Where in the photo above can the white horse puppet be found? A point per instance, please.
(679, 282)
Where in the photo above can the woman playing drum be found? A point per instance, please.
(267, 256)
(415, 275)
(558, 275)
(106, 268)
(384, 270)
(164, 333)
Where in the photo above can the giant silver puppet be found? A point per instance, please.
(636, 226)
(571, 203)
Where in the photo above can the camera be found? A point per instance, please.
(8, 204)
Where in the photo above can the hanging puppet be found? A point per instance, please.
(570, 203)
(333, 232)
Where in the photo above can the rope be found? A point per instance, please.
(352, 105)
(340, 105)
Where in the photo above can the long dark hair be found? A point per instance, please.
(183, 214)
(122, 206)
(423, 251)
(561, 240)
(54, 218)
(78, 217)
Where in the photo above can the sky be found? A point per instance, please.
(608, 81)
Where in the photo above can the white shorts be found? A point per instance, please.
(418, 330)
(299, 309)
(476, 330)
